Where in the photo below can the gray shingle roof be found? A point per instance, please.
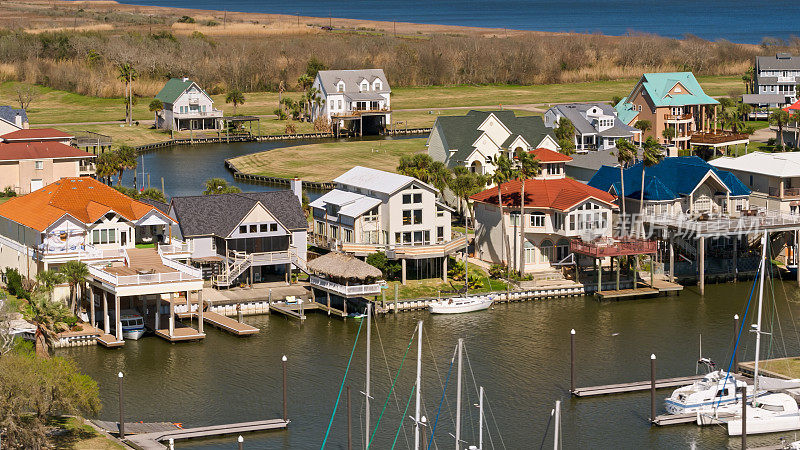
(9, 114)
(352, 78)
(787, 62)
(203, 215)
(575, 113)
(460, 132)
(163, 207)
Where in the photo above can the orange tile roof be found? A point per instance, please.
(560, 194)
(14, 151)
(546, 155)
(34, 134)
(84, 198)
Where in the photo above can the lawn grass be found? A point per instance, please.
(330, 159)
(432, 287)
(789, 367)
(79, 436)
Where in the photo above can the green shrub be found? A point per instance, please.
(186, 19)
(497, 271)
(212, 23)
(9, 192)
(15, 285)
(457, 269)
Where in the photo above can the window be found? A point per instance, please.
(547, 250)
(440, 211)
(104, 236)
(254, 228)
(417, 216)
(439, 234)
(417, 198)
(572, 223)
(364, 86)
(340, 87)
(320, 228)
(339, 104)
(334, 232)
(514, 217)
(263, 227)
(39, 165)
(242, 229)
(417, 237)
(273, 227)
(378, 85)
(407, 199)
(348, 235)
(558, 221)
(537, 219)
(407, 217)
(371, 215)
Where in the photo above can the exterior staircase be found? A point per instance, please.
(241, 261)
(233, 268)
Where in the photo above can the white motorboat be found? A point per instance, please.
(771, 413)
(132, 324)
(458, 305)
(715, 389)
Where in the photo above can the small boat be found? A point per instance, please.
(460, 305)
(356, 315)
(715, 389)
(771, 413)
(132, 324)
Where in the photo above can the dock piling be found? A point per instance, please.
(572, 361)
(171, 444)
(349, 422)
(744, 417)
(395, 298)
(736, 348)
(121, 410)
(652, 387)
(240, 440)
(285, 414)
(239, 313)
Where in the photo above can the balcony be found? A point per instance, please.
(681, 118)
(787, 192)
(145, 271)
(214, 113)
(719, 138)
(786, 80)
(86, 169)
(393, 251)
(360, 112)
(358, 290)
(604, 247)
(175, 248)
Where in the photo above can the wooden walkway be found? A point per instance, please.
(627, 293)
(109, 341)
(152, 441)
(292, 310)
(677, 419)
(224, 323)
(634, 386)
(136, 427)
(181, 334)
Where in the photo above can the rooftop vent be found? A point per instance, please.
(783, 56)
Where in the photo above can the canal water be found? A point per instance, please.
(519, 352)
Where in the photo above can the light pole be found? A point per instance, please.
(285, 414)
(121, 410)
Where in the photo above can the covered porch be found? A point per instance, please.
(344, 276)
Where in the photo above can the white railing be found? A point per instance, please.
(358, 289)
(154, 278)
(786, 79)
(174, 247)
(181, 267)
(103, 275)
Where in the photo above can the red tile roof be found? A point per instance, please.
(546, 155)
(39, 150)
(85, 199)
(560, 194)
(37, 134)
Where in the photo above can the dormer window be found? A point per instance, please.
(377, 85)
(677, 89)
(364, 86)
(340, 86)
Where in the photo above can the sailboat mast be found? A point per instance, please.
(480, 418)
(418, 385)
(557, 426)
(764, 242)
(366, 393)
(458, 394)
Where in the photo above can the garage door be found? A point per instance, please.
(36, 184)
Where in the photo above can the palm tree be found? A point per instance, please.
(669, 134)
(106, 166)
(527, 167)
(155, 106)
(127, 74)
(503, 172)
(625, 153)
(779, 118)
(75, 273)
(219, 186)
(439, 176)
(47, 280)
(743, 110)
(236, 97)
(644, 126)
(651, 155)
(126, 160)
(154, 194)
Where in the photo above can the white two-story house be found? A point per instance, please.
(773, 178)
(596, 125)
(186, 107)
(556, 209)
(473, 140)
(357, 100)
(775, 81)
(246, 236)
(375, 211)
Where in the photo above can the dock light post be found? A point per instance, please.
(736, 348)
(423, 423)
(652, 387)
(285, 414)
(240, 440)
(121, 410)
(572, 361)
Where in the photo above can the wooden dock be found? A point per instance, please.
(636, 386)
(627, 293)
(181, 334)
(152, 441)
(109, 341)
(224, 323)
(136, 427)
(293, 310)
(677, 419)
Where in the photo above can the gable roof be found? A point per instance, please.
(460, 132)
(781, 165)
(560, 194)
(658, 86)
(667, 180)
(9, 114)
(781, 61)
(14, 151)
(545, 155)
(36, 134)
(625, 111)
(174, 88)
(576, 113)
(351, 204)
(203, 215)
(377, 180)
(352, 78)
(85, 199)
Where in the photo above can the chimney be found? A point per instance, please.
(185, 79)
(18, 120)
(296, 186)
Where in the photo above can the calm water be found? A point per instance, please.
(734, 20)
(518, 352)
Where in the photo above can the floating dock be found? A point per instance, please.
(136, 427)
(224, 323)
(152, 441)
(295, 311)
(627, 293)
(181, 334)
(677, 419)
(635, 386)
(109, 341)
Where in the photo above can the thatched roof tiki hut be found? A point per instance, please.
(344, 275)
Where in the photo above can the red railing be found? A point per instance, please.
(677, 117)
(601, 248)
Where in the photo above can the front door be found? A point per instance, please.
(123, 239)
(36, 184)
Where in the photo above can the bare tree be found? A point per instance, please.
(6, 338)
(26, 94)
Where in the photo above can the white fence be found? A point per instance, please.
(359, 289)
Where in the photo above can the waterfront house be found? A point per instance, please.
(557, 209)
(473, 140)
(597, 126)
(243, 236)
(775, 81)
(85, 220)
(32, 158)
(186, 107)
(774, 178)
(357, 100)
(12, 119)
(675, 101)
(373, 211)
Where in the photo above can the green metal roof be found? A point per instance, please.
(658, 86)
(625, 111)
(173, 89)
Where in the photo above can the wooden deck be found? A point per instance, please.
(292, 310)
(677, 419)
(223, 323)
(109, 341)
(152, 441)
(636, 386)
(627, 293)
(181, 334)
(136, 427)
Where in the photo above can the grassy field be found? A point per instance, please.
(431, 287)
(330, 159)
(79, 436)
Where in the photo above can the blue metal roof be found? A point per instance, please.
(667, 180)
